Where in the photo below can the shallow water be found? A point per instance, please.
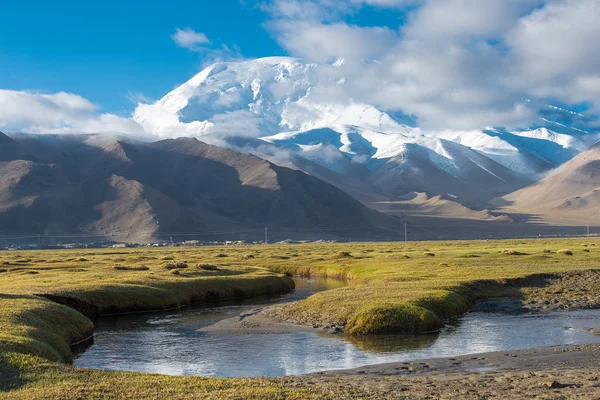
(169, 343)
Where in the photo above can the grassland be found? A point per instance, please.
(48, 297)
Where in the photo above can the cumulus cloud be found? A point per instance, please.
(462, 64)
(325, 43)
(554, 52)
(58, 113)
(453, 63)
(190, 39)
(452, 21)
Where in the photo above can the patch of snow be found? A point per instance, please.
(280, 100)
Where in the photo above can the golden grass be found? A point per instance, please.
(32, 322)
(393, 287)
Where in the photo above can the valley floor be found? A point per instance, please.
(393, 287)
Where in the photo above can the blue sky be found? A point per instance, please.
(69, 65)
(106, 50)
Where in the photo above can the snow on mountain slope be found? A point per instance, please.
(272, 94)
(292, 105)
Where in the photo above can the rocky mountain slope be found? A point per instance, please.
(134, 191)
(569, 195)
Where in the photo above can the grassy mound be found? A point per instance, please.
(395, 290)
(126, 268)
(176, 265)
(40, 327)
(511, 252)
(208, 267)
(392, 318)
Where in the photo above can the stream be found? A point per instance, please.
(169, 342)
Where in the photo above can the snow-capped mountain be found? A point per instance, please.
(287, 111)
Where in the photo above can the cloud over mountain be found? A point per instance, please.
(453, 64)
(445, 64)
(58, 113)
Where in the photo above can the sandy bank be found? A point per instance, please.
(543, 358)
(258, 320)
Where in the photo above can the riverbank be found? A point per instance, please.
(537, 293)
(411, 288)
(542, 373)
(546, 373)
(48, 304)
(536, 359)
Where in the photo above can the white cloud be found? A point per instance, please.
(455, 20)
(327, 42)
(190, 39)
(454, 63)
(58, 113)
(138, 97)
(554, 52)
(464, 64)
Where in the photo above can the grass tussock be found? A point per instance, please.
(565, 252)
(208, 267)
(176, 265)
(122, 267)
(511, 252)
(392, 318)
(343, 254)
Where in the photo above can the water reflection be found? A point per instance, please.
(169, 343)
(392, 343)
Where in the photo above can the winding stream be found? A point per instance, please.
(169, 342)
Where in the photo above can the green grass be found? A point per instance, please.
(393, 287)
(33, 325)
(390, 292)
(92, 284)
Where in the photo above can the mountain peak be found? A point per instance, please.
(282, 105)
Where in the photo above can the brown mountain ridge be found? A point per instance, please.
(136, 191)
(569, 195)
